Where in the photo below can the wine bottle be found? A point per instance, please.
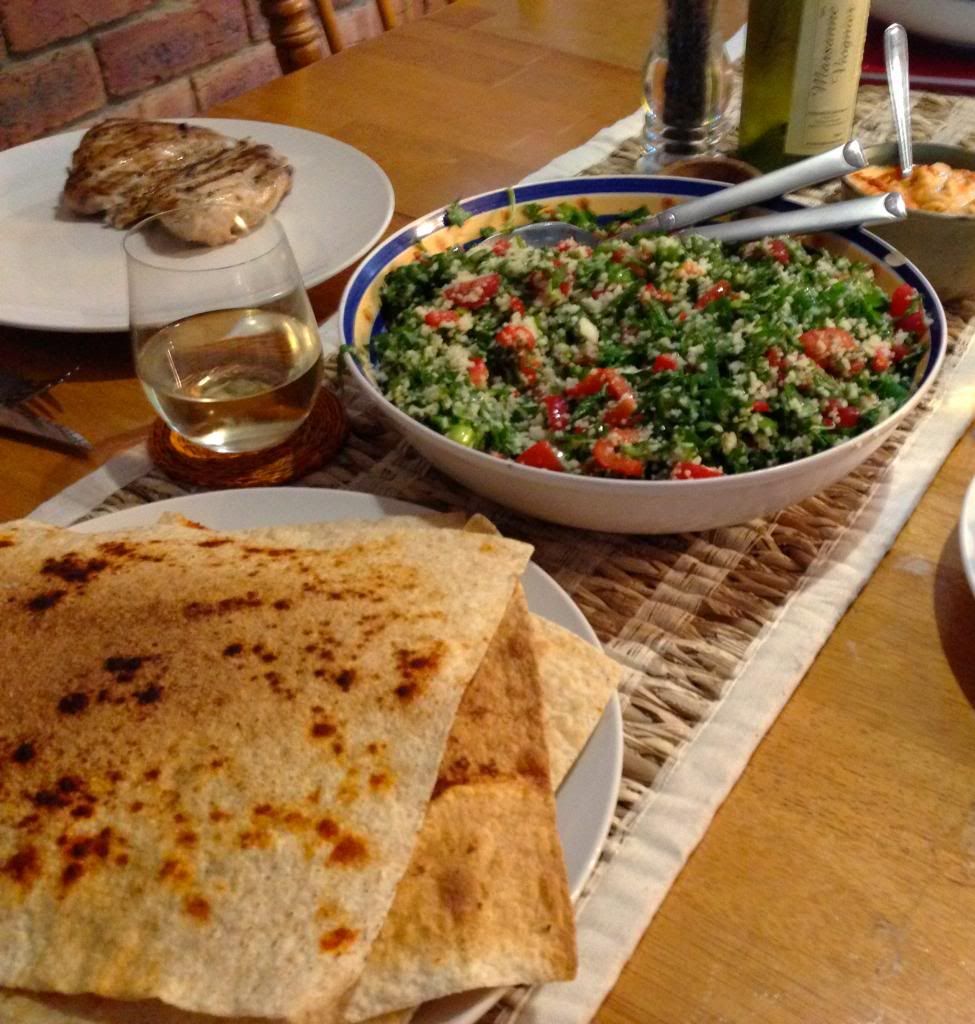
(802, 68)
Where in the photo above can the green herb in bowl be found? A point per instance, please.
(660, 358)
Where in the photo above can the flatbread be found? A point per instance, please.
(171, 799)
(485, 900)
(21, 1007)
(578, 681)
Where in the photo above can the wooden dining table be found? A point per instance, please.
(837, 882)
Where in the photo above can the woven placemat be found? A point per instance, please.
(681, 613)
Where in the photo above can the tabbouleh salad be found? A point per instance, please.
(657, 358)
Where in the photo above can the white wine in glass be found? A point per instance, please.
(225, 341)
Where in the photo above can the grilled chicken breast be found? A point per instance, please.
(128, 169)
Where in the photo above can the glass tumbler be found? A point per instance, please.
(687, 82)
(224, 339)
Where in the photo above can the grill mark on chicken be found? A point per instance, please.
(130, 169)
(121, 156)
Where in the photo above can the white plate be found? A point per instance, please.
(61, 272)
(586, 798)
(966, 534)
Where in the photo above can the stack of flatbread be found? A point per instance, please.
(296, 774)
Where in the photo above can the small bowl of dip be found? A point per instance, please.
(938, 235)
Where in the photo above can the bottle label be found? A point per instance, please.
(827, 72)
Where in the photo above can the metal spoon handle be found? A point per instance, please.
(849, 214)
(895, 58)
(822, 167)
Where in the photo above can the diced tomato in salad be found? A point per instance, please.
(474, 292)
(596, 380)
(717, 291)
(439, 317)
(651, 291)
(541, 455)
(620, 413)
(830, 348)
(840, 414)
(556, 412)
(478, 372)
(515, 336)
(904, 299)
(694, 471)
(607, 456)
(913, 323)
(779, 251)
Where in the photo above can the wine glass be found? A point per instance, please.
(225, 342)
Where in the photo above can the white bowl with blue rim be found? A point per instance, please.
(599, 503)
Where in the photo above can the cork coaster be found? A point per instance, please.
(315, 442)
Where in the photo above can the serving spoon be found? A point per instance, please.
(851, 213)
(824, 166)
(899, 85)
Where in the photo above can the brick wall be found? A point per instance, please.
(67, 63)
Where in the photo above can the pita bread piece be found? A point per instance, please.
(215, 756)
(578, 681)
(18, 1006)
(485, 900)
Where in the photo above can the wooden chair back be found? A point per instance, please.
(295, 30)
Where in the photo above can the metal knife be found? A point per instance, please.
(24, 422)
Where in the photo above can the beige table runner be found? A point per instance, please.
(716, 629)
